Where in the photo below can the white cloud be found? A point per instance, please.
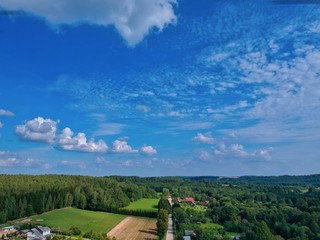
(121, 146)
(148, 150)
(264, 153)
(4, 112)
(238, 149)
(74, 164)
(143, 108)
(102, 160)
(11, 159)
(38, 129)
(106, 129)
(8, 159)
(204, 138)
(66, 141)
(205, 156)
(176, 114)
(1, 125)
(127, 163)
(195, 125)
(133, 19)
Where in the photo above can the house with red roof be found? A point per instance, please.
(189, 200)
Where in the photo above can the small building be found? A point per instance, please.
(186, 238)
(189, 200)
(190, 233)
(9, 228)
(1, 232)
(179, 200)
(24, 233)
(207, 202)
(39, 233)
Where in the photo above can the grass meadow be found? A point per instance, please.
(86, 220)
(148, 204)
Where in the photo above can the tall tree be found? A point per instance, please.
(162, 223)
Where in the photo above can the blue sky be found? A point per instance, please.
(155, 88)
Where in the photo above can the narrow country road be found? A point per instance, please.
(169, 235)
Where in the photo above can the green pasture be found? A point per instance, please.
(86, 220)
(148, 204)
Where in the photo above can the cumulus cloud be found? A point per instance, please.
(38, 129)
(66, 141)
(45, 130)
(147, 150)
(204, 138)
(133, 19)
(122, 146)
(4, 112)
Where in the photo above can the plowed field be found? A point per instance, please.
(135, 228)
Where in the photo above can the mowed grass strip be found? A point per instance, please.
(148, 204)
(86, 220)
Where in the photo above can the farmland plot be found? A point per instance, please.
(135, 228)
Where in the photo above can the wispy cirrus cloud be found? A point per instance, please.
(106, 129)
(132, 19)
(11, 159)
(204, 138)
(7, 113)
(74, 164)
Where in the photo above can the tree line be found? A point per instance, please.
(25, 195)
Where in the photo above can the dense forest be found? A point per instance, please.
(276, 207)
(24, 195)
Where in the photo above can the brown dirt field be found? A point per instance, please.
(135, 228)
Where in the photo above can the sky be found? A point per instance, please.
(160, 88)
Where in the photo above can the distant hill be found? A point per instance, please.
(285, 179)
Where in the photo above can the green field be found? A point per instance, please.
(85, 220)
(215, 227)
(148, 204)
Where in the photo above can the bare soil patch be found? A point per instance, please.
(135, 228)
